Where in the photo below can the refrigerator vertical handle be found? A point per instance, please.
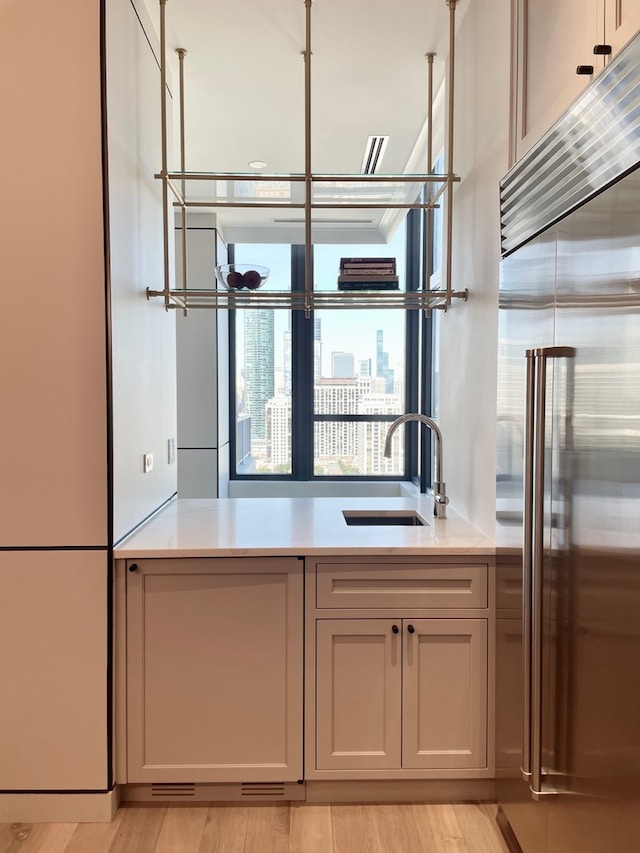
(526, 560)
(541, 357)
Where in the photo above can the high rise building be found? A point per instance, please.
(287, 360)
(364, 367)
(258, 367)
(278, 412)
(382, 362)
(372, 436)
(317, 348)
(335, 441)
(342, 365)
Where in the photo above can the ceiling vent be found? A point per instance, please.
(320, 222)
(373, 154)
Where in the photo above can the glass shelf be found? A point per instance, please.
(211, 189)
(189, 298)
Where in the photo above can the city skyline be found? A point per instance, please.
(264, 405)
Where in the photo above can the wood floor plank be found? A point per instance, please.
(94, 837)
(447, 833)
(299, 828)
(353, 830)
(480, 831)
(396, 828)
(267, 829)
(12, 835)
(182, 830)
(225, 830)
(425, 829)
(310, 829)
(43, 838)
(139, 829)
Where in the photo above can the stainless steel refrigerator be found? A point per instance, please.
(568, 488)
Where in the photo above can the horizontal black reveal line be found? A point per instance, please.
(54, 547)
(57, 791)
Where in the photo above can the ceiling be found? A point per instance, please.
(244, 98)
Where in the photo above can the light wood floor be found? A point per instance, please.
(269, 829)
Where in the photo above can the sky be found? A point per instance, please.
(342, 331)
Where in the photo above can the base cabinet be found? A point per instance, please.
(403, 693)
(214, 670)
(398, 664)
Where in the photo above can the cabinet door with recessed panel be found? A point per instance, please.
(214, 670)
(444, 694)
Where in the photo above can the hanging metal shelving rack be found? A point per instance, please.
(436, 187)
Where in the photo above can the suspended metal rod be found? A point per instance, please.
(163, 122)
(449, 149)
(181, 55)
(308, 284)
(428, 216)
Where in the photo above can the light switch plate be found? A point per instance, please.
(171, 451)
(147, 462)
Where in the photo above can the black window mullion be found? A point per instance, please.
(302, 431)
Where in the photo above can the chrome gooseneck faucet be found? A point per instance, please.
(440, 499)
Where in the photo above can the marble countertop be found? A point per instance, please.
(190, 527)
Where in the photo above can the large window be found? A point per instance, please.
(314, 396)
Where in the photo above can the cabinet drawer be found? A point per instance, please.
(350, 585)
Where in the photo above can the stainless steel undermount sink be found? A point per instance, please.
(383, 518)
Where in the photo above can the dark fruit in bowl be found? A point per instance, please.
(252, 279)
(236, 280)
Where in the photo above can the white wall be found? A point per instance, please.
(143, 333)
(468, 331)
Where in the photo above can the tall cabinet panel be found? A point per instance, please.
(621, 23)
(53, 660)
(53, 452)
(203, 380)
(546, 58)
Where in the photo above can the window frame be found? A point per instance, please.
(418, 362)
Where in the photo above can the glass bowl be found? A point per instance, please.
(241, 276)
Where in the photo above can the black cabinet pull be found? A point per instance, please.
(411, 629)
(395, 629)
(133, 567)
(602, 49)
(584, 69)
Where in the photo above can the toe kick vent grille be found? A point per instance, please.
(264, 790)
(173, 789)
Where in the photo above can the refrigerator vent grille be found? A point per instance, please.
(595, 143)
(173, 789)
(265, 790)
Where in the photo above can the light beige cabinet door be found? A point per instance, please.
(358, 694)
(444, 693)
(214, 670)
(622, 22)
(553, 37)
